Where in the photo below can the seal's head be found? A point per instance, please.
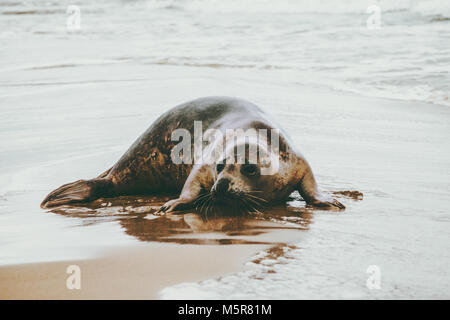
(235, 179)
(236, 187)
(245, 182)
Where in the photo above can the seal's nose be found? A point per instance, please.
(222, 186)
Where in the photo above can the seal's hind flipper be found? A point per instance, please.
(78, 191)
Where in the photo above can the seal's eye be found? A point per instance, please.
(249, 170)
(220, 167)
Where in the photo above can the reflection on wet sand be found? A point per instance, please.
(135, 216)
(277, 225)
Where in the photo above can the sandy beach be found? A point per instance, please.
(142, 271)
(131, 273)
(368, 115)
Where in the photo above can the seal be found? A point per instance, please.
(238, 172)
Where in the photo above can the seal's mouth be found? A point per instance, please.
(231, 202)
(224, 198)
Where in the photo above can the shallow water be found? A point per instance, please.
(72, 103)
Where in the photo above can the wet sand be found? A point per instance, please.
(174, 249)
(131, 273)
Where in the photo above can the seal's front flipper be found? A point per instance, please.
(200, 175)
(327, 204)
(308, 190)
(78, 191)
(172, 206)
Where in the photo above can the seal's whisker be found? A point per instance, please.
(204, 204)
(256, 202)
(199, 203)
(201, 198)
(256, 210)
(204, 210)
(245, 200)
(210, 206)
(255, 197)
(249, 206)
